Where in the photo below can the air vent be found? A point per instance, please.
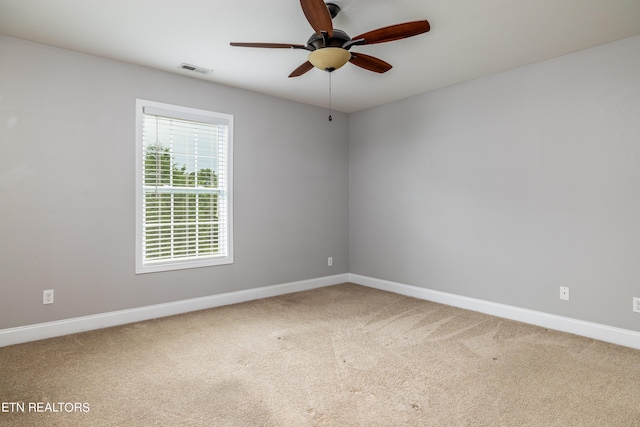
(193, 68)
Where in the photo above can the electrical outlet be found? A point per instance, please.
(564, 293)
(47, 297)
(636, 304)
(330, 261)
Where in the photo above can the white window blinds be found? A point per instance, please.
(185, 182)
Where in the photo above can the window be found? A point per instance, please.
(183, 187)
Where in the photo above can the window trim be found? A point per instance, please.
(194, 114)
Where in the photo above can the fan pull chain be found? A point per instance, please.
(330, 111)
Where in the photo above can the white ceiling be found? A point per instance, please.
(468, 39)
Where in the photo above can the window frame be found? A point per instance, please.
(190, 114)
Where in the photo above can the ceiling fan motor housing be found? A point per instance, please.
(319, 41)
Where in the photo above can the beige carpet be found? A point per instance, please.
(339, 356)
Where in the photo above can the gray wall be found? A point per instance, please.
(501, 189)
(508, 187)
(67, 214)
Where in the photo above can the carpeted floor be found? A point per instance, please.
(343, 355)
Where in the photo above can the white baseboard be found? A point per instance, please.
(80, 324)
(597, 331)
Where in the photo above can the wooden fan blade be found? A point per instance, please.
(393, 32)
(301, 69)
(318, 16)
(370, 63)
(270, 45)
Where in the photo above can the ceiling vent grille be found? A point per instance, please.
(194, 68)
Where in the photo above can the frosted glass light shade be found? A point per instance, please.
(329, 58)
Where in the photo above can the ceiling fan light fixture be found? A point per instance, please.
(329, 58)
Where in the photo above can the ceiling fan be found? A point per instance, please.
(329, 46)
